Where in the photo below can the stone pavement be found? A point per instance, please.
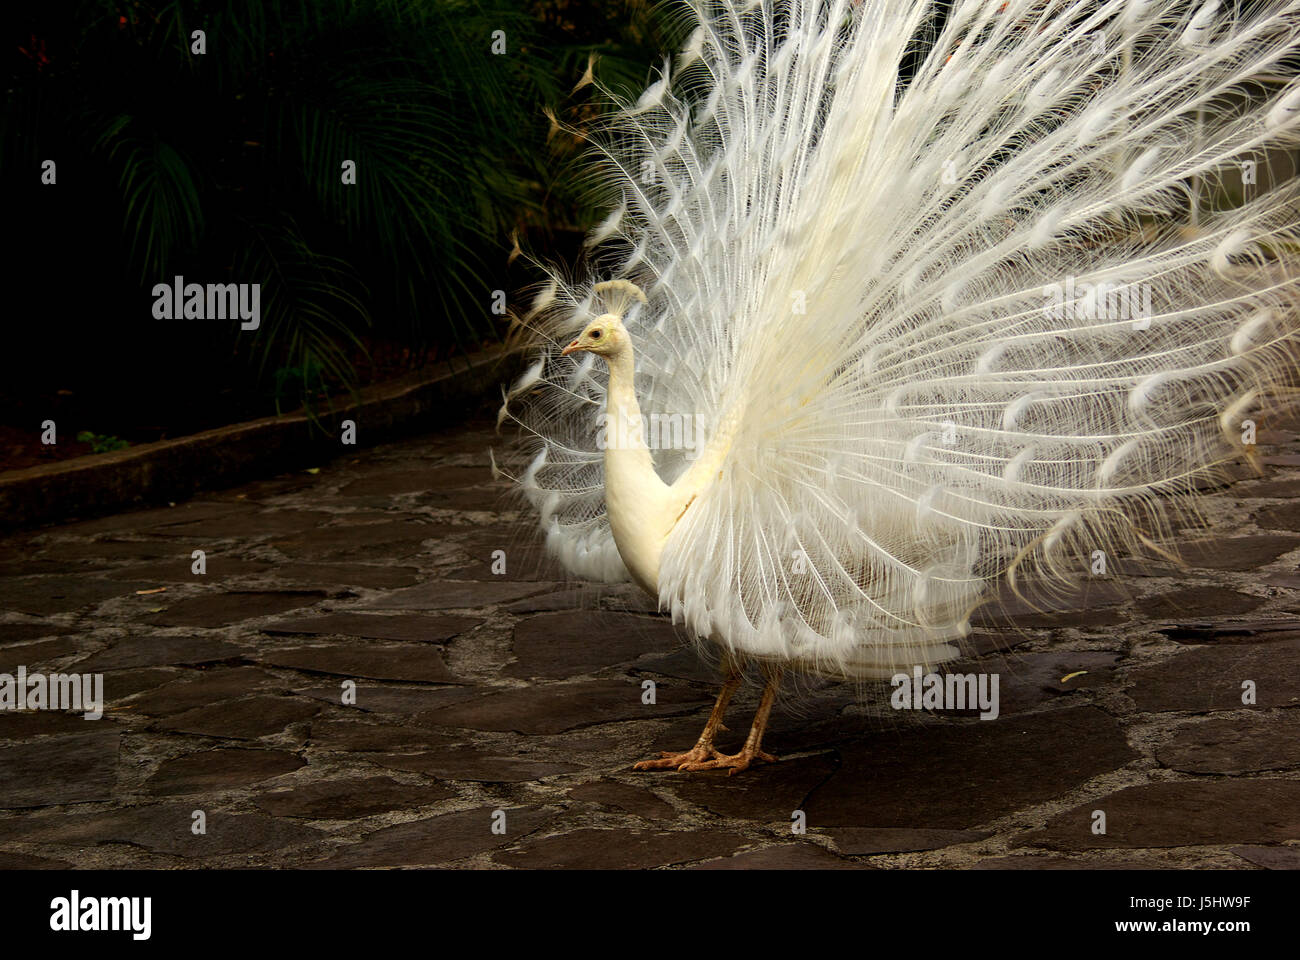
(515, 700)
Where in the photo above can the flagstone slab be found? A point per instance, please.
(23, 631)
(1235, 745)
(359, 736)
(374, 576)
(525, 556)
(1027, 680)
(557, 645)
(684, 663)
(1271, 857)
(372, 697)
(168, 828)
(474, 763)
(620, 849)
(223, 609)
(220, 770)
(787, 856)
(42, 596)
(247, 525)
(25, 724)
(350, 798)
(456, 594)
(75, 768)
(614, 795)
(148, 651)
(1204, 679)
(576, 598)
(1199, 601)
(391, 539)
(1070, 863)
(200, 688)
(960, 775)
(132, 521)
(377, 661)
(110, 551)
(35, 653)
(436, 840)
(1235, 553)
(245, 719)
(394, 481)
(377, 627)
(555, 708)
(1179, 814)
(1279, 489)
(865, 841)
(1235, 631)
(121, 684)
(180, 569)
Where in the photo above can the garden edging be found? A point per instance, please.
(170, 470)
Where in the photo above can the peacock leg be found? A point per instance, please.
(751, 751)
(703, 749)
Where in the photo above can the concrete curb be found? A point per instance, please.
(171, 470)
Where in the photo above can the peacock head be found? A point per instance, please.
(605, 336)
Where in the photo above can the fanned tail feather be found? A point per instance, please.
(954, 288)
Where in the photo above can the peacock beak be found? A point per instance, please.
(570, 349)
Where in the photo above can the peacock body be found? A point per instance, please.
(958, 292)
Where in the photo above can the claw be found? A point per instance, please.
(705, 758)
(670, 760)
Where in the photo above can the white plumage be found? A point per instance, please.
(950, 290)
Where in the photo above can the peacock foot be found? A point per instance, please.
(668, 760)
(732, 763)
(705, 758)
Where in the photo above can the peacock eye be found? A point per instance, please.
(595, 334)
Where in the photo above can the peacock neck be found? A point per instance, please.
(637, 501)
(625, 438)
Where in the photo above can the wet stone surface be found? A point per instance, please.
(75, 768)
(787, 856)
(1235, 744)
(419, 628)
(381, 669)
(1175, 814)
(351, 797)
(621, 849)
(216, 771)
(441, 839)
(249, 719)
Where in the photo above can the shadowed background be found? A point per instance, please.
(226, 167)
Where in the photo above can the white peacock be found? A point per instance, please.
(963, 291)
